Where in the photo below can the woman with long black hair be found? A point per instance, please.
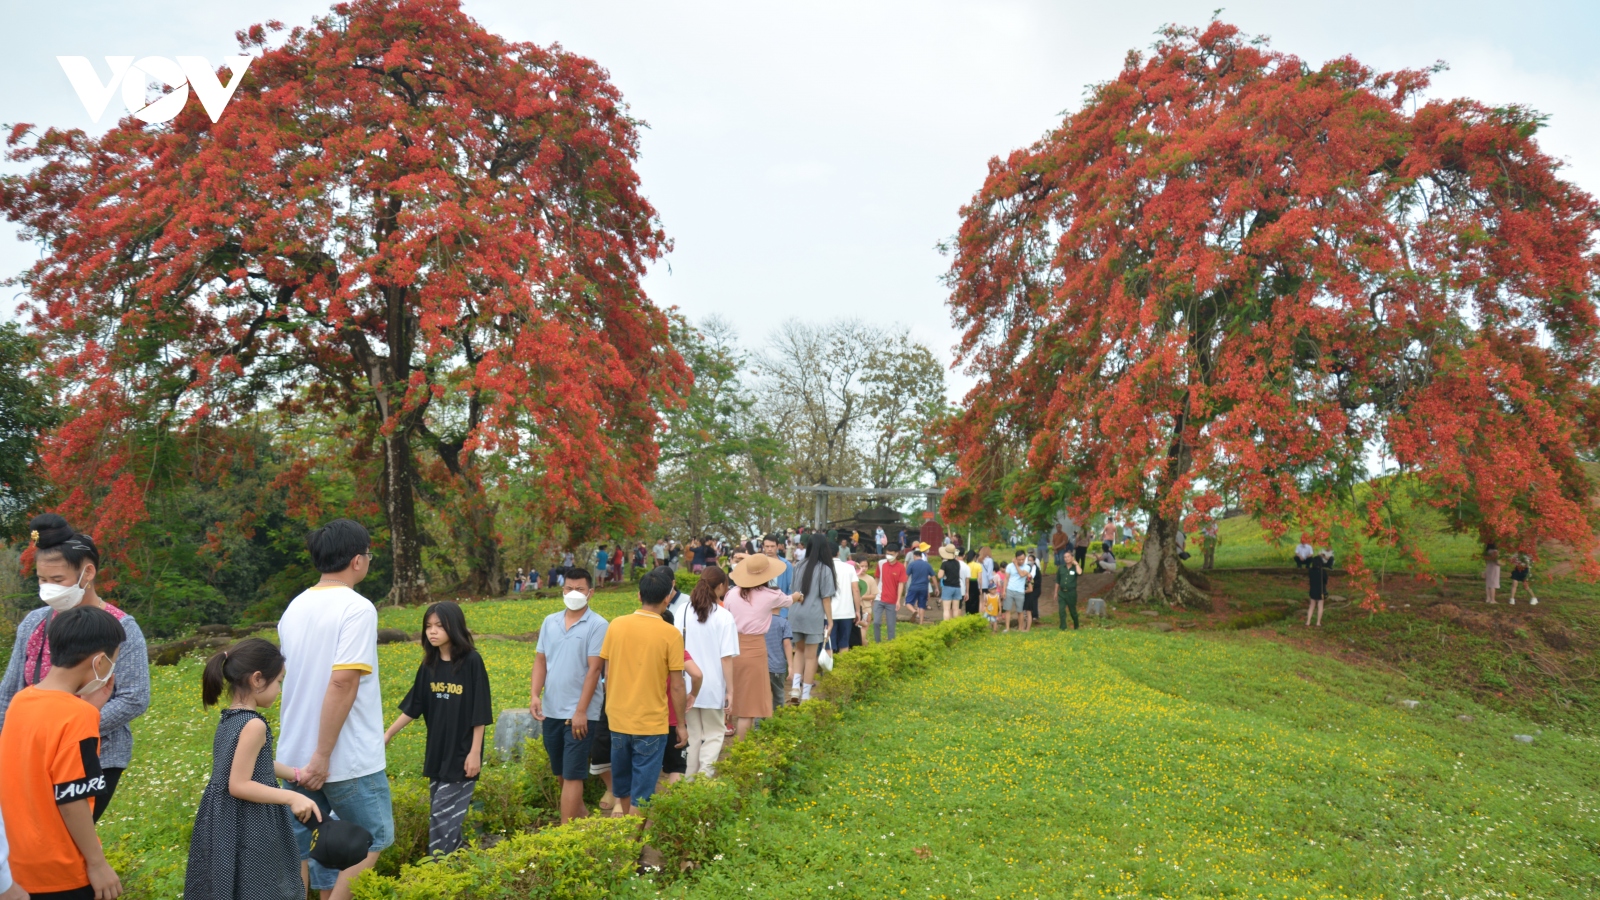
(67, 563)
(811, 618)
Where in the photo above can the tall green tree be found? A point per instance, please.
(26, 410)
(717, 456)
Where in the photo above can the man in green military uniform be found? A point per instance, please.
(1067, 573)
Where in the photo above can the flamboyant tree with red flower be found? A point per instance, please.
(401, 219)
(1233, 272)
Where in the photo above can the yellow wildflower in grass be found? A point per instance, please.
(1122, 763)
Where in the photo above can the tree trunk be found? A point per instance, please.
(409, 586)
(476, 534)
(1159, 576)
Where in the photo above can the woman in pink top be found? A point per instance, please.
(752, 602)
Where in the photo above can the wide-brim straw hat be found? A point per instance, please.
(756, 570)
(948, 552)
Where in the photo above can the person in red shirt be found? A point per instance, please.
(891, 588)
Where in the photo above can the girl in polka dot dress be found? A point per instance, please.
(242, 847)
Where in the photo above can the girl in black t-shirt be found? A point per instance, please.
(451, 696)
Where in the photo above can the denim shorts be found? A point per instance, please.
(636, 764)
(946, 592)
(364, 801)
(917, 596)
(569, 756)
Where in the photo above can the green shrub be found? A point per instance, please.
(409, 797)
(766, 759)
(586, 860)
(691, 821)
(686, 580)
(544, 787)
(503, 802)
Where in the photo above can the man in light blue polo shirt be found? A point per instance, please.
(565, 690)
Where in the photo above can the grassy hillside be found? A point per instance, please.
(1129, 763)
(1243, 543)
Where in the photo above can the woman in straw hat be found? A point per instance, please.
(753, 601)
(951, 582)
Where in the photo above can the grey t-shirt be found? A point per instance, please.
(810, 616)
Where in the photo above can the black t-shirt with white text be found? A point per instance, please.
(453, 699)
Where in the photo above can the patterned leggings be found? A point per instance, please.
(449, 802)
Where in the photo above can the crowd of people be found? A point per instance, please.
(646, 698)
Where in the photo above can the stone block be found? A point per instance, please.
(1097, 606)
(511, 730)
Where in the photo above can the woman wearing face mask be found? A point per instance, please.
(67, 563)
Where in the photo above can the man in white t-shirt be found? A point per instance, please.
(846, 603)
(1303, 552)
(330, 721)
(1016, 576)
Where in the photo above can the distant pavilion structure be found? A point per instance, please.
(820, 492)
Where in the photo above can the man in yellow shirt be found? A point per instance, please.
(642, 655)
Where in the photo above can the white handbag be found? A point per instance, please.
(825, 657)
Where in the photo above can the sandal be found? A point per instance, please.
(607, 800)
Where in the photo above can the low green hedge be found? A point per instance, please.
(689, 822)
(585, 860)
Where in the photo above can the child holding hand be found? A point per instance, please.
(50, 754)
(242, 846)
(451, 696)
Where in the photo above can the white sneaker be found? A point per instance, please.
(1534, 602)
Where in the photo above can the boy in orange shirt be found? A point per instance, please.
(50, 752)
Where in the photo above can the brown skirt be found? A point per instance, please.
(752, 689)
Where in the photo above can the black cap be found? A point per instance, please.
(338, 845)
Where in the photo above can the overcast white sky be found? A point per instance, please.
(806, 157)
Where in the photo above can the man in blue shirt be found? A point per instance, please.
(785, 580)
(602, 563)
(919, 576)
(565, 690)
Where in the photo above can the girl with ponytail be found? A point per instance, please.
(242, 846)
(67, 563)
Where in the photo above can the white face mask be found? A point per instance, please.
(98, 681)
(575, 600)
(61, 597)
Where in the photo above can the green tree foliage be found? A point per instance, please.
(25, 411)
(719, 460)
